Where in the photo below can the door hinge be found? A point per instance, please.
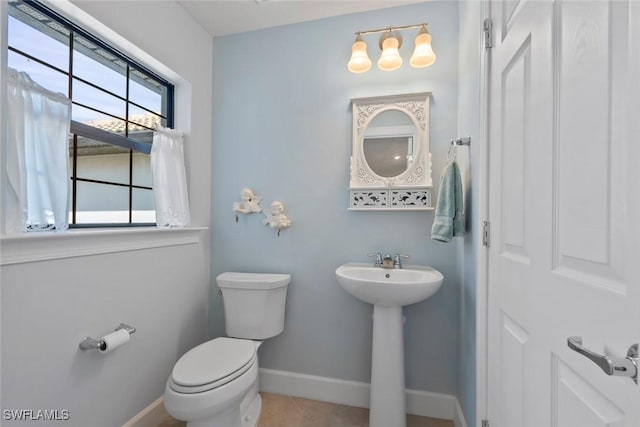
(487, 27)
(485, 423)
(486, 234)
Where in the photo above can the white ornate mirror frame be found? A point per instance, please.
(412, 188)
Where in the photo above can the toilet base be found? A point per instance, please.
(233, 417)
(251, 416)
(230, 417)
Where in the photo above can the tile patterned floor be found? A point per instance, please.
(286, 411)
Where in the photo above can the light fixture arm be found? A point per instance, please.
(391, 29)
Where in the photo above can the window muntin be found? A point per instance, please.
(116, 104)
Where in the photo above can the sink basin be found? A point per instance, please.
(389, 287)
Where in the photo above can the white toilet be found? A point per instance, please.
(216, 383)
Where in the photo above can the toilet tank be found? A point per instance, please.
(253, 303)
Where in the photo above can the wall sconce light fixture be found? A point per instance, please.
(390, 43)
(359, 62)
(390, 58)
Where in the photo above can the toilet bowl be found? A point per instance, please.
(209, 383)
(216, 383)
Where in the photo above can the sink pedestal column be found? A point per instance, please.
(387, 405)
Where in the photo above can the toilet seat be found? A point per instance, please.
(212, 364)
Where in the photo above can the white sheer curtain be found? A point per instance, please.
(37, 156)
(169, 179)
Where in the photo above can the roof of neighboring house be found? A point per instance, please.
(140, 128)
(137, 123)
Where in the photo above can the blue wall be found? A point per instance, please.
(282, 126)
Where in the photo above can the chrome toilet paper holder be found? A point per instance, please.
(88, 343)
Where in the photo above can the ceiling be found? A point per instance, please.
(222, 17)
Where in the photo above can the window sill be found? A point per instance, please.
(34, 247)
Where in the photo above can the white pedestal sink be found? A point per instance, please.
(388, 290)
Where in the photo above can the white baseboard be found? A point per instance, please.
(458, 419)
(351, 393)
(354, 393)
(150, 416)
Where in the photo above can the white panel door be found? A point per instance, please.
(564, 185)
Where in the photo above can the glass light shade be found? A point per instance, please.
(390, 58)
(423, 54)
(359, 62)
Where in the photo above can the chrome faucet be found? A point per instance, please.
(387, 261)
(397, 262)
(378, 261)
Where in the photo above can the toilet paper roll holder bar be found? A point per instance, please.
(88, 343)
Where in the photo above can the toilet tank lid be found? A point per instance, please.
(252, 280)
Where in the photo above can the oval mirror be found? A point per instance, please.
(389, 143)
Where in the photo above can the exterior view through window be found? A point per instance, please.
(116, 104)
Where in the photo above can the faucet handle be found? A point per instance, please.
(378, 255)
(397, 262)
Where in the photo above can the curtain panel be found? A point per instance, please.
(37, 156)
(169, 178)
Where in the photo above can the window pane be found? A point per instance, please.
(46, 77)
(99, 67)
(140, 133)
(146, 92)
(49, 43)
(101, 203)
(142, 169)
(93, 118)
(143, 118)
(101, 161)
(143, 209)
(88, 95)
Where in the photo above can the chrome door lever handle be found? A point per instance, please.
(604, 362)
(627, 367)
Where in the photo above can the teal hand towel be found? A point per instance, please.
(449, 220)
